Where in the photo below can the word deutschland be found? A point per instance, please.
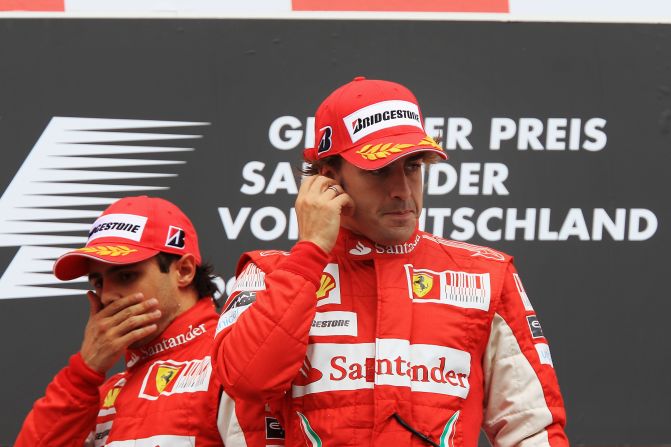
(463, 224)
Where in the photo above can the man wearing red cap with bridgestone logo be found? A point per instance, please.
(370, 331)
(151, 300)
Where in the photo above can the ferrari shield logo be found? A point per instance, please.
(421, 284)
(164, 376)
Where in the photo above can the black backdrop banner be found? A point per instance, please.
(558, 136)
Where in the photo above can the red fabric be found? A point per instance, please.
(137, 403)
(379, 346)
(32, 5)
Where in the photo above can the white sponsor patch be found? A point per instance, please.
(127, 226)
(544, 353)
(393, 362)
(102, 431)
(251, 279)
(165, 378)
(229, 317)
(462, 289)
(522, 292)
(381, 115)
(329, 286)
(334, 323)
(157, 441)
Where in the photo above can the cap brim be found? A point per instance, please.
(75, 263)
(378, 153)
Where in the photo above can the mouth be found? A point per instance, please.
(400, 213)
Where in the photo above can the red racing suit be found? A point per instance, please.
(166, 397)
(432, 334)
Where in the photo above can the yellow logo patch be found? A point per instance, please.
(421, 284)
(111, 396)
(108, 250)
(164, 376)
(326, 284)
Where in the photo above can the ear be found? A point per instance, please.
(185, 268)
(328, 171)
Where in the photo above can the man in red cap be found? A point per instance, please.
(152, 301)
(370, 331)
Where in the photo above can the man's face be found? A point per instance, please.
(387, 201)
(111, 282)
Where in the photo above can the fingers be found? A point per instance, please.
(136, 335)
(94, 301)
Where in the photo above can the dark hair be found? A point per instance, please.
(202, 281)
(313, 168)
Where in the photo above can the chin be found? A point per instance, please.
(398, 236)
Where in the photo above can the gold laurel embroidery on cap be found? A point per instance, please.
(382, 150)
(428, 141)
(108, 250)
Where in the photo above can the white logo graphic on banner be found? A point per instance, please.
(43, 205)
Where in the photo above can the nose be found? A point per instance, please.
(398, 183)
(108, 296)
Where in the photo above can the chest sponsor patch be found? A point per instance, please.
(236, 305)
(543, 351)
(127, 226)
(273, 429)
(110, 399)
(462, 289)
(391, 362)
(251, 279)
(535, 326)
(102, 431)
(157, 441)
(334, 323)
(165, 378)
(329, 286)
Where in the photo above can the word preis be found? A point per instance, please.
(524, 133)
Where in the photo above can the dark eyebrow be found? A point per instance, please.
(112, 269)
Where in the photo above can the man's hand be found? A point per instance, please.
(319, 205)
(110, 330)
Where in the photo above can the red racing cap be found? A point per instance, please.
(370, 123)
(131, 230)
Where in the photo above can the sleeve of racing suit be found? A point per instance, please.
(523, 404)
(67, 413)
(262, 334)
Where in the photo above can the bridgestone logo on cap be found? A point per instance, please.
(381, 115)
(126, 226)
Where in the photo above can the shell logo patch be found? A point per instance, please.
(111, 396)
(326, 284)
(329, 286)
